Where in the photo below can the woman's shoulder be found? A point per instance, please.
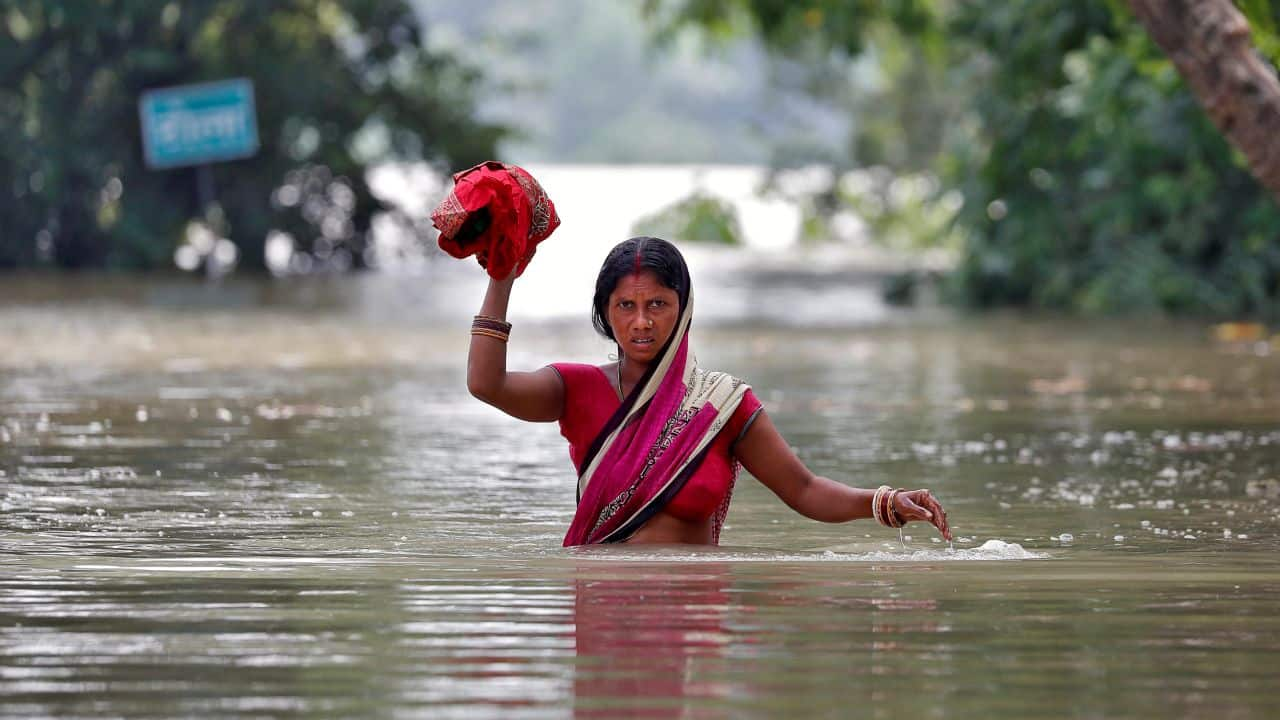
(749, 402)
(748, 408)
(578, 368)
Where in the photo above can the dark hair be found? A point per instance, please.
(634, 255)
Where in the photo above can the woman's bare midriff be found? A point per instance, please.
(665, 529)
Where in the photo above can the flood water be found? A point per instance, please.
(278, 499)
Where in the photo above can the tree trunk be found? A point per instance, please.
(1208, 41)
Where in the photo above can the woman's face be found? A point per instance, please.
(642, 313)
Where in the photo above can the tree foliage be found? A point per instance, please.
(338, 86)
(1095, 182)
(700, 218)
(1090, 178)
(899, 117)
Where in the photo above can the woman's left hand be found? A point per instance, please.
(921, 505)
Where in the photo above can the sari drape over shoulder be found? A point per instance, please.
(653, 443)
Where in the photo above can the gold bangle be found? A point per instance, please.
(490, 333)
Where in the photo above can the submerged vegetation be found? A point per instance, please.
(700, 218)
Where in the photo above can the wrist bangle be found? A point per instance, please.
(489, 322)
(876, 501)
(895, 520)
(490, 333)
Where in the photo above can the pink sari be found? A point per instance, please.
(653, 444)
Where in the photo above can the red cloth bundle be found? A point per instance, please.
(498, 213)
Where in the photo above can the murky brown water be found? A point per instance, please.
(279, 500)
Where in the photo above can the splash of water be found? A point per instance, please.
(989, 550)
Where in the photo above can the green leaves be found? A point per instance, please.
(1264, 21)
(1092, 180)
(699, 218)
(1150, 209)
(324, 74)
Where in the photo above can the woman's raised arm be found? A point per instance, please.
(536, 396)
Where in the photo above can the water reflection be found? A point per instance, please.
(285, 503)
(648, 637)
(715, 637)
(516, 638)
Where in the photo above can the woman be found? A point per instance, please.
(656, 440)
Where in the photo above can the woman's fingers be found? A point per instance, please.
(921, 505)
(940, 518)
(939, 515)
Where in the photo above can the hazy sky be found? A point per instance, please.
(583, 81)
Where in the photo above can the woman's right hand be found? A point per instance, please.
(922, 506)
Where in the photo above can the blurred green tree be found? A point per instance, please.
(1093, 181)
(1091, 178)
(884, 61)
(338, 86)
(700, 218)
(1209, 43)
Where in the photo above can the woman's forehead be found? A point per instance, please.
(643, 281)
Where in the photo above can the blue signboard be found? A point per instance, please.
(197, 124)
